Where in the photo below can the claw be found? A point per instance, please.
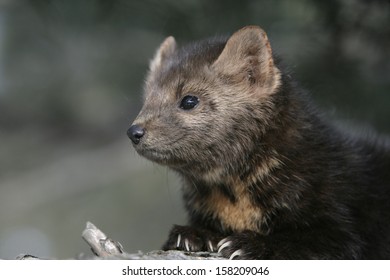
(178, 241)
(187, 244)
(221, 242)
(211, 248)
(236, 253)
(224, 245)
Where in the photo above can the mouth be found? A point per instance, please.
(155, 156)
(160, 157)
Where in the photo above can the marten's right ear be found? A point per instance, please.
(247, 57)
(166, 49)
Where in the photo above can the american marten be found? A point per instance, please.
(266, 175)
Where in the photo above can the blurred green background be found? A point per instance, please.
(71, 75)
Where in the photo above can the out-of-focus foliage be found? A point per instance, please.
(71, 75)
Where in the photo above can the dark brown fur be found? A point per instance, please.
(262, 169)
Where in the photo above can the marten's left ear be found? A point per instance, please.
(247, 56)
(166, 49)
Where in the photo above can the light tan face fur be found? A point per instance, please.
(232, 81)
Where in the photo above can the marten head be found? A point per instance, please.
(207, 104)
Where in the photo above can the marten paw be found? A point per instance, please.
(243, 245)
(189, 239)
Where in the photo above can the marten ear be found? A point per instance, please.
(166, 49)
(248, 56)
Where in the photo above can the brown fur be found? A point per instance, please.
(239, 216)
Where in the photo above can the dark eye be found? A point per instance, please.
(189, 102)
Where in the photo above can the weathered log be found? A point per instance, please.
(104, 247)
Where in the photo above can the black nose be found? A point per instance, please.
(135, 133)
